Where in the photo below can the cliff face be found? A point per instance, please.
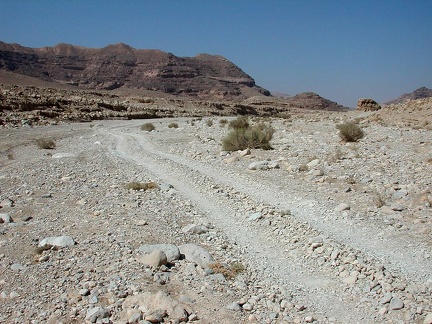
(121, 66)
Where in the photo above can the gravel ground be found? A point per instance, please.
(316, 231)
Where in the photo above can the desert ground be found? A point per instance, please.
(314, 231)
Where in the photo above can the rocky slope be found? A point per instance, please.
(419, 93)
(121, 66)
(39, 105)
(313, 231)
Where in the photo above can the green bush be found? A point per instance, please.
(350, 132)
(252, 137)
(148, 127)
(44, 143)
(239, 123)
(173, 125)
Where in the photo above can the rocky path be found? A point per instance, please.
(312, 250)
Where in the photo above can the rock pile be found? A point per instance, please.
(367, 105)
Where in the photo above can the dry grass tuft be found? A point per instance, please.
(229, 271)
(141, 186)
(47, 144)
(350, 132)
(173, 125)
(148, 127)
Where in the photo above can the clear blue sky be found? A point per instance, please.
(342, 50)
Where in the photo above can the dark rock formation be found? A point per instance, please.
(121, 66)
(366, 104)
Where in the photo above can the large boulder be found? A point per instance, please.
(366, 104)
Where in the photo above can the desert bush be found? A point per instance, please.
(141, 185)
(254, 137)
(350, 132)
(148, 127)
(229, 271)
(44, 143)
(209, 123)
(173, 125)
(223, 122)
(239, 123)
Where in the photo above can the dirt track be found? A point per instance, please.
(339, 265)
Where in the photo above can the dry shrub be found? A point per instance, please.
(44, 143)
(148, 127)
(350, 132)
(223, 122)
(173, 125)
(255, 137)
(209, 123)
(239, 123)
(229, 271)
(141, 185)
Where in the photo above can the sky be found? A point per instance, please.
(341, 49)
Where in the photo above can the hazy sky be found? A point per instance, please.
(342, 50)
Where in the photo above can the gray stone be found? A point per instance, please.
(428, 319)
(97, 313)
(255, 216)
(17, 267)
(84, 292)
(341, 207)
(197, 254)
(5, 218)
(171, 251)
(259, 165)
(396, 303)
(400, 194)
(59, 241)
(313, 163)
(195, 229)
(153, 302)
(154, 259)
(386, 299)
(234, 307)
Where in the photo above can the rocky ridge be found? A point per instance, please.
(419, 93)
(121, 66)
(37, 105)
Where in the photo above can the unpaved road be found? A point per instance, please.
(342, 266)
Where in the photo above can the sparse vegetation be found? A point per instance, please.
(148, 127)
(173, 125)
(141, 186)
(239, 123)
(47, 144)
(229, 271)
(223, 122)
(379, 200)
(243, 136)
(209, 123)
(350, 132)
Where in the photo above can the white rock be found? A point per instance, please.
(59, 241)
(63, 155)
(197, 254)
(171, 251)
(5, 218)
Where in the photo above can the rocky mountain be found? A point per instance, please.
(122, 66)
(419, 93)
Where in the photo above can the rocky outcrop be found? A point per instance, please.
(419, 93)
(366, 104)
(121, 66)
